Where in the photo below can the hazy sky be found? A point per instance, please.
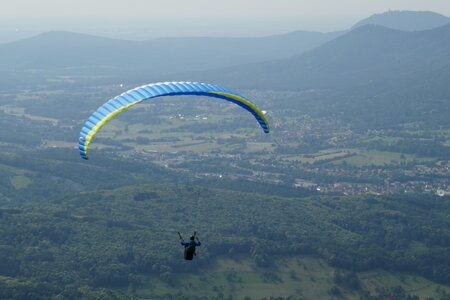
(198, 17)
(223, 8)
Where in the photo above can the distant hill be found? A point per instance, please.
(357, 58)
(70, 54)
(406, 20)
(370, 73)
(74, 53)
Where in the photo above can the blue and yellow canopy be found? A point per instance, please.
(124, 101)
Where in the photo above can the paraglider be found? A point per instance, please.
(118, 104)
(189, 247)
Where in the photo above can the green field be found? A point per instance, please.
(19, 111)
(165, 122)
(358, 157)
(300, 276)
(322, 155)
(159, 136)
(20, 182)
(379, 158)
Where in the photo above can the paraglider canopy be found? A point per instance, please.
(124, 101)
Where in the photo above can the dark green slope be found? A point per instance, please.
(29, 176)
(101, 238)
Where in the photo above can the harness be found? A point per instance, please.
(189, 250)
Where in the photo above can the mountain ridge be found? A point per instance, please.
(59, 49)
(372, 75)
(344, 54)
(406, 20)
(77, 54)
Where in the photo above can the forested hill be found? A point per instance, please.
(41, 174)
(367, 55)
(101, 238)
(372, 76)
(406, 20)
